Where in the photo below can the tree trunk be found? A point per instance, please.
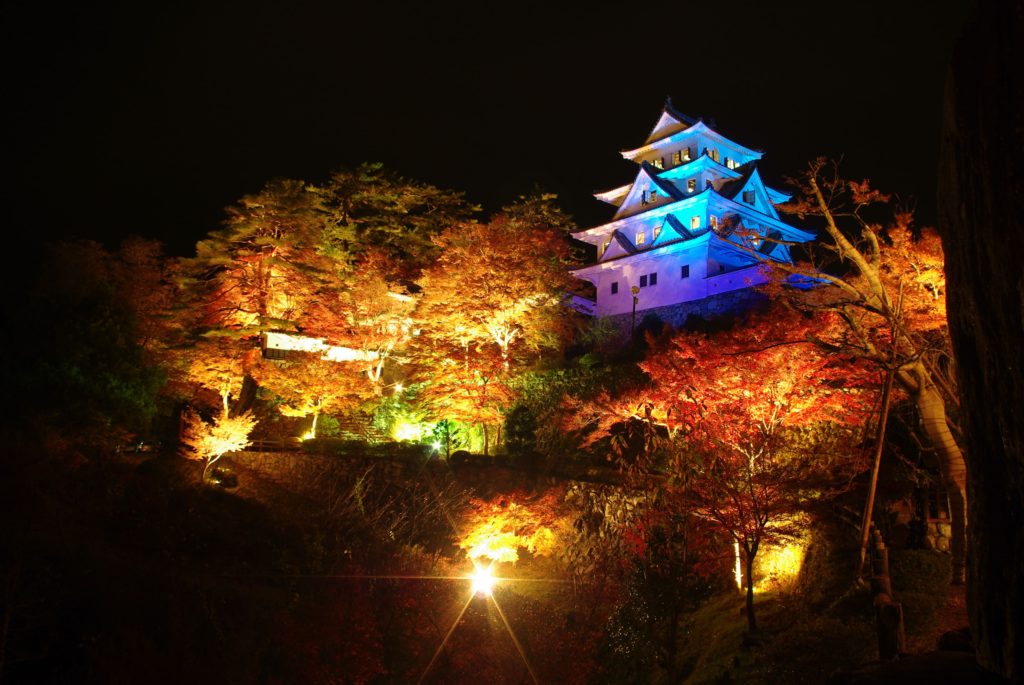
(312, 430)
(224, 397)
(485, 439)
(951, 465)
(981, 219)
(751, 620)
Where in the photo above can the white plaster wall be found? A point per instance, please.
(670, 289)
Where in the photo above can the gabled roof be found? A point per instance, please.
(730, 189)
(664, 185)
(628, 205)
(671, 121)
(701, 128)
(618, 246)
(657, 247)
(615, 196)
(683, 231)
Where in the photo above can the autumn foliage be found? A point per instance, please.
(882, 279)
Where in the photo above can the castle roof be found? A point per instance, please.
(671, 121)
(730, 189)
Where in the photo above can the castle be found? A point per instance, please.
(690, 232)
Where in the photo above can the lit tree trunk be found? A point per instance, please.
(373, 372)
(932, 409)
(751, 551)
(316, 415)
(225, 395)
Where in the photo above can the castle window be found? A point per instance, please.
(684, 271)
(748, 196)
(658, 162)
(714, 221)
(643, 281)
(714, 154)
(653, 279)
(657, 232)
(604, 248)
(695, 222)
(639, 237)
(729, 163)
(677, 158)
(615, 287)
(691, 185)
(687, 155)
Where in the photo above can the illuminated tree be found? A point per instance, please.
(255, 273)
(369, 207)
(747, 407)
(499, 529)
(219, 362)
(503, 282)
(208, 442)
(446, 434)
(469, 388)
(883, 278)
(360, 309)
(309, 385)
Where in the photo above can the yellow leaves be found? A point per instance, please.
(504, 529)
(208, 441)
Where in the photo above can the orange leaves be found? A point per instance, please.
(500, 529)
(310, 385)
(861, 193)
(498, 283)
(753, 378)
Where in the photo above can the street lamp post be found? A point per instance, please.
(632, 325)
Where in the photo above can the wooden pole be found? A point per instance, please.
(869, 506)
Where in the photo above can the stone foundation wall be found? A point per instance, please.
(610, 506)
(306, 473)
(680, 315)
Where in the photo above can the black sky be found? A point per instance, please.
(129, 119)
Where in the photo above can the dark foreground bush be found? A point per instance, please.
(920, 581)
(357, 448)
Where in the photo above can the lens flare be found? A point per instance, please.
(483, 581)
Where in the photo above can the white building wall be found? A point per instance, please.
(670, 289)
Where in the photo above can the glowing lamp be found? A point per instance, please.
(406, 431)
(399, 388)
(483, 581)
(436, 445)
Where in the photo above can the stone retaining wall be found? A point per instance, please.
(709, 308)
(611, 506)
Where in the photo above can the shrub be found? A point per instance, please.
(920, 581)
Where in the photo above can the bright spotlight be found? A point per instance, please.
(399, 388)
(436, 445)
(483, 581)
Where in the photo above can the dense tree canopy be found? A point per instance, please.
(756, 410)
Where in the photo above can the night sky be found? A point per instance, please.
(129, 119)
